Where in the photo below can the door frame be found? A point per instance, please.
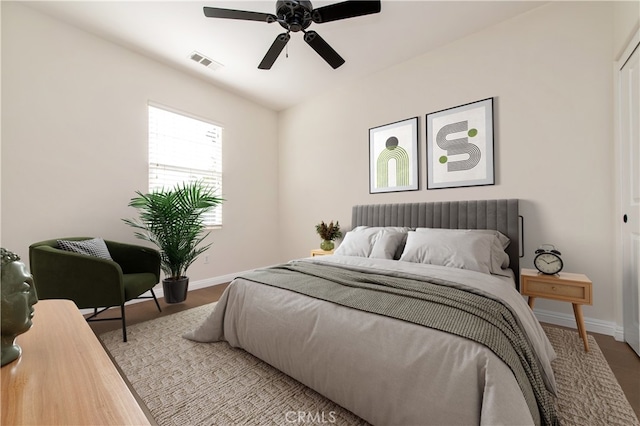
(617, 178)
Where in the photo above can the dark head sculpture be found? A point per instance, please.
(18, 298)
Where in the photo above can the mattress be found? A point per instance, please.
(385, 370)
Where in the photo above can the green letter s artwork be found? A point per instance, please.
(458, 146)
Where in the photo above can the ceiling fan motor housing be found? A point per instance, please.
(297, 15)
(294, 15)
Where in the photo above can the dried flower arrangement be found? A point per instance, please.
(329, 232)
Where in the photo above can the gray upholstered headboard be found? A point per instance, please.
(502, 215)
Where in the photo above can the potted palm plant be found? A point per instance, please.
(172, 219)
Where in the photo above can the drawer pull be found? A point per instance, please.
(553, 288)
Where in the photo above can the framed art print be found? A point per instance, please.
(393, 157)
(460, 146)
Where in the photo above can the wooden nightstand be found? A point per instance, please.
(320, 252)
(566, 287)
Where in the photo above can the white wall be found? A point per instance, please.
(550, 73)
(626, 15)
(74, 143)
(74, 139)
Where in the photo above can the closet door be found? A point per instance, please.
(629, 122)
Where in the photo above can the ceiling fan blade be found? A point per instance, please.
(216, 12)
(323, 49)
(344, 10)
(274, 51)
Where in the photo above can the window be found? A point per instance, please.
(184, 149)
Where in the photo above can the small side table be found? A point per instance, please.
(566, 287)
(320, 252)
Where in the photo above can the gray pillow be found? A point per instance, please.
(95, 247)
(389, 244)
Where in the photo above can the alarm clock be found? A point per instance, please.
(548, 260)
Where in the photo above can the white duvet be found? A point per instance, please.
(387, 371)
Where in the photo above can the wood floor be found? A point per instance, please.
(623, 360)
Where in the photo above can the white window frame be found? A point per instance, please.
(170, 164)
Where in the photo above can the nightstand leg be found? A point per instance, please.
(531, 301)
(577, 312)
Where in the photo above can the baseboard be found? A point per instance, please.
(196, 285)
(193, 285)
(549, 317)
(592, 325)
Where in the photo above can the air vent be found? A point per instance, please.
(207, 62)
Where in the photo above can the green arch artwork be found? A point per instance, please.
(395, 152)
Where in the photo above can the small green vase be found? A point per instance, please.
(327, 245)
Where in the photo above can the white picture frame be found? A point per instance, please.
(393, 157)
(460, 146)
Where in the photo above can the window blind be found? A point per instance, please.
(185, 149)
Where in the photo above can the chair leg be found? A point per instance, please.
(124, 324)
(154, 298)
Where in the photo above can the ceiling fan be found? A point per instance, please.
(297, 15)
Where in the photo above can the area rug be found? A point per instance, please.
(187, 383)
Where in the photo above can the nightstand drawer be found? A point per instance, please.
(576, 293)
(568, 287)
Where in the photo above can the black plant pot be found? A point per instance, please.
(175, 291)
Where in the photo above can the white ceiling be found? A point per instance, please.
(170, 31)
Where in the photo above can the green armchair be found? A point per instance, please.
(94, 282)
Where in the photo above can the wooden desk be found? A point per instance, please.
(64, 375)
(566, 287)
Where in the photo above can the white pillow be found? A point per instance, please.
(499, 258)
(453, 249)
(380, 242)
(504, 240)
(358, 242)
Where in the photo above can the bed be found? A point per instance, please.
(427, 328)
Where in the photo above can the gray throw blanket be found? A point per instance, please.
(437, 304)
